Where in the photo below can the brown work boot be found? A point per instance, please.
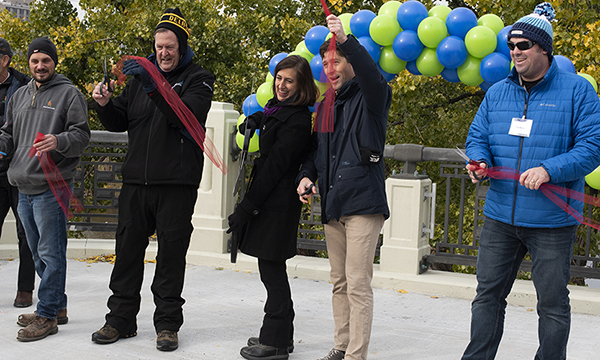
(38, 329)
(109, 335)
(26, 319)
(167, 340)
(23, 299)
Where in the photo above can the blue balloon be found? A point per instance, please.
(485, 86)
(316, 65)
(251, 105)
(360, 22)
(450, 75)
(502, 38)
(565, 64)
(407, 45)
(494, 67)
(275, 60)
(460, 21)
(387, 76)
(452, 52)
(371, 46)
(315, 107)
(315, 37)
(411, 66)
(410, 14)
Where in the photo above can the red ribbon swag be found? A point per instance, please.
(324, 120)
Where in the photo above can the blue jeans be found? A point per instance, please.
(45, 226)
(501, 250)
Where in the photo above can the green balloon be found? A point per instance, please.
(481, 41)
(389, 8)
(492, 21)
(269, 77)
(305, 54)
(389, 62)
(345, 18)
(383, 29)
(431, 31)
(428, 64)
(440, 12)
(593, 179)
(591, 80)
(468, 72)
(264, 93)
(239, 137)
(322, 87)
(302, 47)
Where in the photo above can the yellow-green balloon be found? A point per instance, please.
(305, 54)
(432, 31)
(593, 179)
(428, 64)
(440, 12)
(481, 41)
(383, 29)
(239, 137)
(269, 77)
(492, 21)
(264, 93)
(322, 87)
(468, 72)
(389, 62)
(591, 80)
(302, 47)
(345, 19)
(389, 8)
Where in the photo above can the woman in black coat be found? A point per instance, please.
(267, 218)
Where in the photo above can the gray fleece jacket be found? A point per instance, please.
(57, 107)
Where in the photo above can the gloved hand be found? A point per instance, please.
(253, 122)
(132, 68)
(241, 215)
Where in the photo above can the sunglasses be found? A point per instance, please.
(523, 45)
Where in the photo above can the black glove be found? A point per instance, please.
(252, 122)
(132, 68)
(239, 217)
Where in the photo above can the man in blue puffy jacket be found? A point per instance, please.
(545, 123)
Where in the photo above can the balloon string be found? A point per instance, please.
(554, 193)
(62, 192)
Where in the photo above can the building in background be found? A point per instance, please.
(18, 7)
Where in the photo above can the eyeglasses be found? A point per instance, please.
(523, 45)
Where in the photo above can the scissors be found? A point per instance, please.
(464, 156)
(106, 80)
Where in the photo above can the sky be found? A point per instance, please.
(79, 12)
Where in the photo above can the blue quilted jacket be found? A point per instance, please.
(564, 140)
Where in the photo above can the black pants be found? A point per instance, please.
(9, 199)
(278, 324)
(142, 210)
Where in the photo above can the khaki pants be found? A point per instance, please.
(351, 244)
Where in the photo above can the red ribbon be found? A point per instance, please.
(554, 193)
(62, 192)
(183, 112)
(324, 120)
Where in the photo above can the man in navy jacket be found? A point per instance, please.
(348, 164)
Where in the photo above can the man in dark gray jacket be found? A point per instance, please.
(49, 115)
(10, 81)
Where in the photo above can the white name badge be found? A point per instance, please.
(520, 127)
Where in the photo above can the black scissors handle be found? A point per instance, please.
(106, 79)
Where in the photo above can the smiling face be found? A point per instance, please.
(532, 63)
(167, 50)
(341, 71)
(41, 67)
(286, 84)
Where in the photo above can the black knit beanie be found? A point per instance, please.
(173, 20)
(43, 45)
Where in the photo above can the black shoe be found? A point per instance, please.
(167, 340)
(264, 352)
(254, 341)
(108, 335)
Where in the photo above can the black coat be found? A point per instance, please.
(283, 146)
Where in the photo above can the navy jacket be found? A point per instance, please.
(347, 185)
(18, 80)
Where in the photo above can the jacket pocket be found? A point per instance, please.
(354, 190)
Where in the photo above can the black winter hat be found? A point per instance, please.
(43, 45)
(173, 20)
(5, 48)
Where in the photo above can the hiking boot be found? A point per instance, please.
(334, 354)
(108, 335)
(254, 341)
(167, 340)
(26, 319)
(38, 329)
(264, 352)
(23, 299)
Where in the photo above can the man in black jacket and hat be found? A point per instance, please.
(161, 175)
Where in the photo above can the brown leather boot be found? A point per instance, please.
(23, 299)
(38, 329)
(27, 319)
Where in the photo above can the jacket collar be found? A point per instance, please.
(347, 90)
